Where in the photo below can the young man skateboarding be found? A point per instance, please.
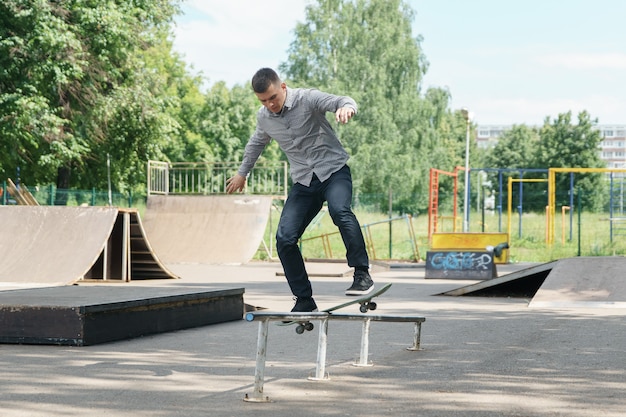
(296, 119)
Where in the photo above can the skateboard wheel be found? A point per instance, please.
(300, 329)
(372, 305)
(309, 326)
(363, 308)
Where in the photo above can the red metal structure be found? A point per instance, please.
(433, 197)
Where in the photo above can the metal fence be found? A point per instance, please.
(204, 178)
(50, 195)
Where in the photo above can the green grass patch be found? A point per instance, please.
(589, 236)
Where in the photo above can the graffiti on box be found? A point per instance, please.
(461, 260)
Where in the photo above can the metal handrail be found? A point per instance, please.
(264, 319)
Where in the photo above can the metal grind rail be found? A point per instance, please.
(264, 319)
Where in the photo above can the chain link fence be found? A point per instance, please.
(50, 195)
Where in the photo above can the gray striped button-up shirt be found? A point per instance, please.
(303, 133)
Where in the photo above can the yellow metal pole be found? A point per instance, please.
(551, 205)
(552, 188)
(547, 223)
(563, 210)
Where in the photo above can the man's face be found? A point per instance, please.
(274, 98)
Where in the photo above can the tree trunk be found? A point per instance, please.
(63, 185)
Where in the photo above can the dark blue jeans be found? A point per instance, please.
(302, 205)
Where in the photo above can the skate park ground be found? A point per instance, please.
(480, 357)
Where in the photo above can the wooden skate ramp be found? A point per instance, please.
(206, 229)
(61, 245)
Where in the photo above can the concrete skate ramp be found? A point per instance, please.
(585, 282)
(206, 229)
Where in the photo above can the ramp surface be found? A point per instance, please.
(585, 282)
(523, 283)
(55, 245)
(206, 229)
(61, 245)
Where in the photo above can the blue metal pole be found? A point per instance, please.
(500, 201)
(611, 207)
(571, 204)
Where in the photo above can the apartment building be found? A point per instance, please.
(613, 145)
(612, 148)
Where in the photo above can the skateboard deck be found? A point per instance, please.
(365, 302)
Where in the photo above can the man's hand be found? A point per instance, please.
(344, 114)
(235, 183)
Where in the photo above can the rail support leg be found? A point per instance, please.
(416, 337)
(365, 344)
(320, 368)
(259, 372)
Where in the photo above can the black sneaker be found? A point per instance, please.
(362, 285)
(304, 305)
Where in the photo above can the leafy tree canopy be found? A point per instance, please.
(366, 49)
(81, 80)
(559, 143)
(75, 85)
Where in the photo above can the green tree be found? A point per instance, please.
(515, 153)
(565, 145)
(185, 104)
(516, 148)
(366, 49)
(74, 86)
(228, 120)
(38, 86)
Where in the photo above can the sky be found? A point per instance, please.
(508, 62)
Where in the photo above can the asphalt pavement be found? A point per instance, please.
(480, 357)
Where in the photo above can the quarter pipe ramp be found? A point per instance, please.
(206, 229)
(61, 245)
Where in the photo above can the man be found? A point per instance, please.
(296, 119)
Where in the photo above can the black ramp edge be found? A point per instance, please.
(87, 315)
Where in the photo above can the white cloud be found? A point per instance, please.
(585, 61)
(265, 16)
(241, 23)
(229, 40)
(608, 109)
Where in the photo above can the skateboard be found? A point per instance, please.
(365, 304)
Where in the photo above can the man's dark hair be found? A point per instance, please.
(263, 78)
